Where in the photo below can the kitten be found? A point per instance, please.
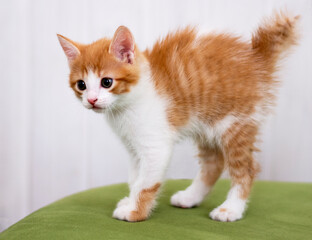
(214, 88)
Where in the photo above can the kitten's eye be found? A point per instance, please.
(106, 82)
(81, 85)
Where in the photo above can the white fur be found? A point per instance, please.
(141, 122)
(123, 211)
(206, 133)
(233, 207)
(95, 90)
(192, 196)
(124, 201)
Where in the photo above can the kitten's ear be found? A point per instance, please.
(122, 45)
(71, 49)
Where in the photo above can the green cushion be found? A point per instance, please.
(276, 211)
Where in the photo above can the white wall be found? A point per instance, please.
(50, 146)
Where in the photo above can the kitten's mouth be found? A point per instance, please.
(98, 109)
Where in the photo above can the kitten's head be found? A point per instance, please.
(103, 73)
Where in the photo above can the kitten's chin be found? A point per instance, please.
(99, 110)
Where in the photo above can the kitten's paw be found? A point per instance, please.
(127, 212)
(123, 212)
(224, 214)
(124, 201)
(184, 199)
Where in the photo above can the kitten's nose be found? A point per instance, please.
(92, 100)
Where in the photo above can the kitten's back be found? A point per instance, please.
(214, 75)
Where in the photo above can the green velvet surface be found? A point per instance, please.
(276, 211)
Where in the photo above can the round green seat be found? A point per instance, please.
(276, 211)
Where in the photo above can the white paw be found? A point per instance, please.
(224, 214)
(124, 201)
(123, 212)
(184, 199)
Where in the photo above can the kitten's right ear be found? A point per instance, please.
(71, 49)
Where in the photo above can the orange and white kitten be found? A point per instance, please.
(213, 88)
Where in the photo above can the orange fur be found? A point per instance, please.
(239, 146)
(96, 57)
(274, 36)
(219, 74)
(211, 163)
(144, 203)
(216, 75)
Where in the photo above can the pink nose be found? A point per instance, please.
(92, 100)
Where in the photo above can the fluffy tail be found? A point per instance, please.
(274, 36)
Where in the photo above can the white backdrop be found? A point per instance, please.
(50, 146)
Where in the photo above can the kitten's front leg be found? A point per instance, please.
(143, 192)
(133, 175)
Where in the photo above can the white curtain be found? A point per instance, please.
(50, 146)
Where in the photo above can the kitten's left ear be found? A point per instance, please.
(122, 45)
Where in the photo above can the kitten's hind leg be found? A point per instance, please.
(211, 166)
(238, 149)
